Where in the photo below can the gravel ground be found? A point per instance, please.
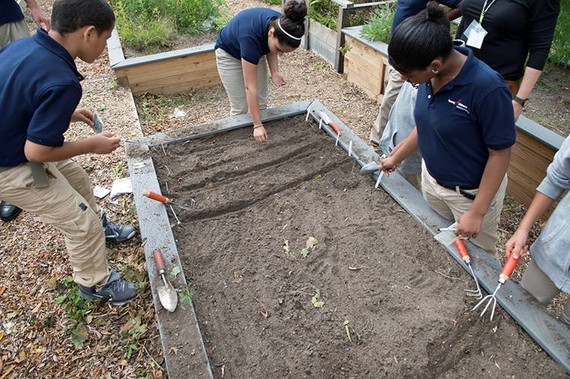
(39, 336)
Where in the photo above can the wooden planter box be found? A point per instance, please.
(365, 62)
(164, 73)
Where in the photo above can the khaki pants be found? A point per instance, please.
(231, 74)
(69, 205)
(391, 91)
(13, 31)
(451, 205)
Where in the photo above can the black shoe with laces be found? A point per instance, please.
(115, 232)
(117, 290)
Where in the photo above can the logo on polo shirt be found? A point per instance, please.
(459, 105)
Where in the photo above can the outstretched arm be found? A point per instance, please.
(529, 80)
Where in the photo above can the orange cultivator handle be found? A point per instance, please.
(508, 268)
(463, 253)
(156, 196)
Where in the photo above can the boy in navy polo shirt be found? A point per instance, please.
(39, 93)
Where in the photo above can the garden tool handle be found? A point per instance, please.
(508, 268)
(463, 253)
(158, 260)
(334, 127)
(155, 196)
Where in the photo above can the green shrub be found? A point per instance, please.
(378, 27)
(560, 51)
(326, 12)
(155, 23)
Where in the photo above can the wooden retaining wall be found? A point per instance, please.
(166, 73)
(365, 63)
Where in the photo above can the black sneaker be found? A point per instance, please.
(115, 232)
(117, 290)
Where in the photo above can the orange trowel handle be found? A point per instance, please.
(156, 196)
(463, 253)
(158, 260)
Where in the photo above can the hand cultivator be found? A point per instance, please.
(464, 254)
(166, 201)
(508, 269)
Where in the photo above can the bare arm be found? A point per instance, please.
(250, 79)
(37, 14)
(403, 150)
(103, 143)
(273, 63)
(518, 243)
(471, 221)
(529, 80)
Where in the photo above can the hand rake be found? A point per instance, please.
(508, 269)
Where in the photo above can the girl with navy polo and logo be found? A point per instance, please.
(246, 46)
(464, 125)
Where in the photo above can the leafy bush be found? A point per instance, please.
(326, 12)
(155, 23)
(378, 27)
(560, 51)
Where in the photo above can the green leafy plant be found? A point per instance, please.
(144, 24)
(326, 12)
(75, 307)
(560, 50)
(186, 295)
(378, 27)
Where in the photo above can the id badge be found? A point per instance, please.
(475, 34)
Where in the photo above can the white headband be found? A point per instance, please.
(287, 34)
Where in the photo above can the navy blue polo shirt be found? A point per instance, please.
(409, 8)
(39, 91)
(465, 118)
(245, 36)
(10, 11)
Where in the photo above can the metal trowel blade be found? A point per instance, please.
(168, 298)
(369, 168)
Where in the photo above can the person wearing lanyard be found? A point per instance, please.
(507, 35)
(464, 126)
(250, 42)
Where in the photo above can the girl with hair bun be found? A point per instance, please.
(465, 125)
(248, 46)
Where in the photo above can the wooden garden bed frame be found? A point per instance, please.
(164, 73)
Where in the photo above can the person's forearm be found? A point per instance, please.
(253, 105)
(40, 153)
(272, 62)
(528, 82)
(538, 206)
(32, 4)
(493, 175)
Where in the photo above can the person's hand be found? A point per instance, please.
(259, 133)
(104, 143)
(469, 225)
(40, 18)
(278, 79)
(84, 115)
(518, 243)
(517, 108)
(389, 164)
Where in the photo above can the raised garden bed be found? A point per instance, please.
(164, 73)
(393, 299)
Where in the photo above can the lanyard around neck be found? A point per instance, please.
(485, 9)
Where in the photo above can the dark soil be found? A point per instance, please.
(394, 304)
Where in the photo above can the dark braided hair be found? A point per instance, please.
(420, 39)
(292, 22)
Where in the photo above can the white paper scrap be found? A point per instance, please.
(121, 186)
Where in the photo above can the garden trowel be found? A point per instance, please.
(166, 292)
